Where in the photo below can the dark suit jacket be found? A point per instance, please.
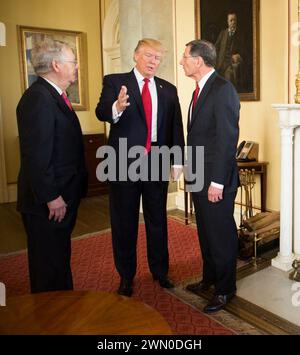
(214, 125)
(51, 150)
(132, 123)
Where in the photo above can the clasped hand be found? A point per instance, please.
(215, 194)
(57, 209)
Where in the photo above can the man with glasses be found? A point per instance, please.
(213, 123)
(52, 176)
(144, 110)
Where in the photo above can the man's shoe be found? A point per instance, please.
(218, 302)
(164, 282)
(125, 288)
(199, 286)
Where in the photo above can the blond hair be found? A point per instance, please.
(150, 42)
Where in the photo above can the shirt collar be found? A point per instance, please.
(140, 78)
(203, 80)
(57, 88)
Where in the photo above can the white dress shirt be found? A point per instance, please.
(57, 88)
(153, 92)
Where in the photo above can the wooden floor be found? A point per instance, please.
(93, 215)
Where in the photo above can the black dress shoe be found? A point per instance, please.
(125, 288)
(218, 302)
(199, 286)
(164, 281)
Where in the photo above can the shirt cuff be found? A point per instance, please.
(219, 186)
(115, 114)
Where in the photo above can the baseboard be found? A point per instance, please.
(8, 193)
(180, 200)
(12, 192)
(171, 202)
(3, 195)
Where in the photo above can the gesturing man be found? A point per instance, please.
(144, 110)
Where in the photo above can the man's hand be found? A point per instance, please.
(176, 172)
(215, 194)
(122, 102)
(57, 209)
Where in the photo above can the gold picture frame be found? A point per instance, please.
(211, 20)
(27, 36)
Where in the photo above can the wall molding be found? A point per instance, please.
(3, 178)
(111, 44)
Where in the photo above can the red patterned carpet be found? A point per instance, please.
(93, 269)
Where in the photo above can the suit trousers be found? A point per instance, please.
(49, 251)
(218, 241)
(124, 212)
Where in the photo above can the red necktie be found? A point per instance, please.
(67, 101)
(147, 103)
(195, 97)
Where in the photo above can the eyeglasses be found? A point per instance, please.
(70, 61)
(189, 56)
(150, 56)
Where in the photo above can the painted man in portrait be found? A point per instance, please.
(230, 53)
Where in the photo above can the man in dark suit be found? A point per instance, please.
(213, 123)
(52, 176)
(144, 110)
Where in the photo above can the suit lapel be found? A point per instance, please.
(202, 97)
(134, 92)
(189, 114)
(160, 101)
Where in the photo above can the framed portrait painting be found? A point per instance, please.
(233, 26)
(29, 36)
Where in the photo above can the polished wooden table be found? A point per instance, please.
(79, 312)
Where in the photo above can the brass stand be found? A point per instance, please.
(247, 180)
(255, 242)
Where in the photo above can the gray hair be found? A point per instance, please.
(44, 52)
(204, 49)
